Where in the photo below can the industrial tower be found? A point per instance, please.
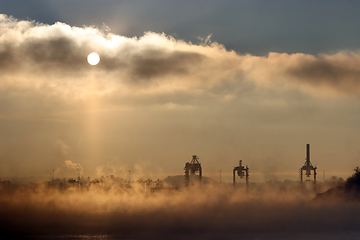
(308, 167)
(192, 167)
(241, 172)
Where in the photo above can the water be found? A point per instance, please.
(346, 235)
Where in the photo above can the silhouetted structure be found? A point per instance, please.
(151, 185)
(308, 167)
(192, 167)
(155, 186)
(348, 191)
(241, 172)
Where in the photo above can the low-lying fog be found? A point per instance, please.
(215, 209)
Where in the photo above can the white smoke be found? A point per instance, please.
(75, 166)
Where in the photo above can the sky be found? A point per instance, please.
(225, 80)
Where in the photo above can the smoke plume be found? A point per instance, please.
(75, 166)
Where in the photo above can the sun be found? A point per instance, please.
(93, 58)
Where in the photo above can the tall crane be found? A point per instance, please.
(241, 172)
(308, 167)
(191, 168)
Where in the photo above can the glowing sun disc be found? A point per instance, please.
(93, 58)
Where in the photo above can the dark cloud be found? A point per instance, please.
(7, 58)
(151, 64)
(46, 55)
(319, 75)
(54, 53)
(340, 74)
(59, 50)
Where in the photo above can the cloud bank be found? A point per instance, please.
(34, 54)
(53, 58)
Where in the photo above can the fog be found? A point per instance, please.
(207, 210)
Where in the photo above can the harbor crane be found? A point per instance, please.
(191, 168)
(242, 172)
(308, 167)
